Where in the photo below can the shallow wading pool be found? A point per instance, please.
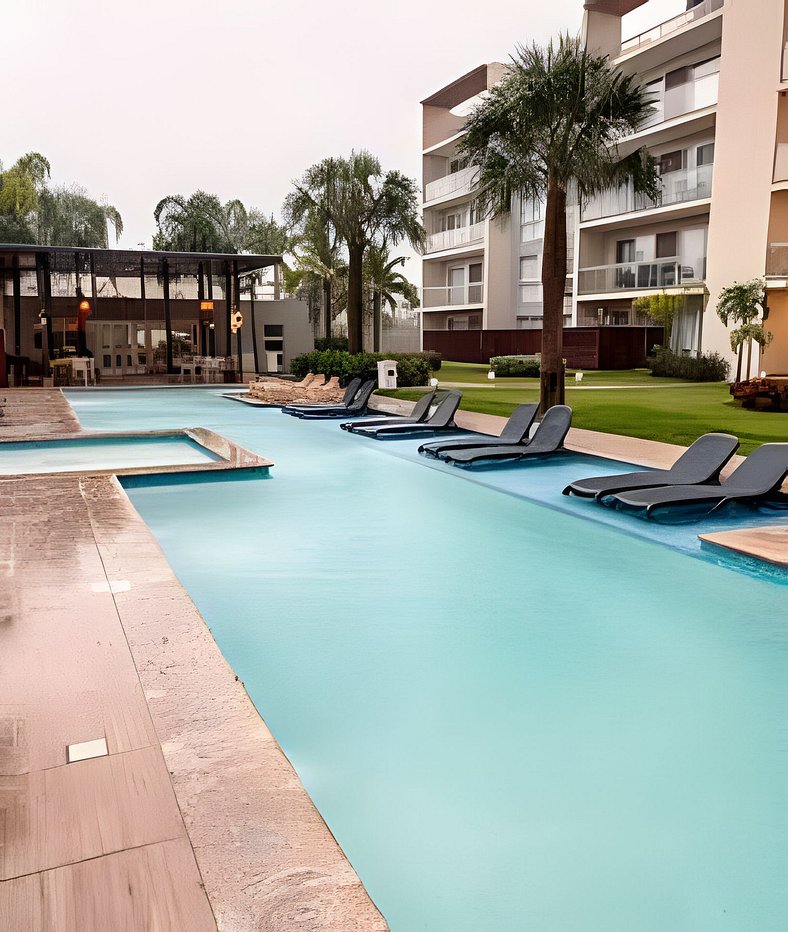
(511, 717)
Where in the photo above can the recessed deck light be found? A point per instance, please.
(85, 750)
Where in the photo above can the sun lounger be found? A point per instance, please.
(757, 479)
(356, 407)
(442, 418)
(699, 464)
(352, 387)
(419, 413)
(514, 431)
(548, 439)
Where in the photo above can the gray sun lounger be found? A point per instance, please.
(758, 478)
(700, 464)
(355, 408)
(514, 431)
(352, 387)
(548, 439)
(419, 413)
(442, 418)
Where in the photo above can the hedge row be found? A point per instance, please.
(705, 367)
(412, 369)
(521, 367)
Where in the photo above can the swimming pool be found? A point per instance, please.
(100, 453)
(509, 717)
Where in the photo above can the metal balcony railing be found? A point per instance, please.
(688, 184)
(637, 276)
(460, 182)
(671, 25)
(451, 295)
(457, 237)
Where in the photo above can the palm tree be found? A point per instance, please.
(550, 129)
(68, 216)
(200, 223)
(386, 283)
(362, 205)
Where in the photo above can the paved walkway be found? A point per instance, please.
(193, 819)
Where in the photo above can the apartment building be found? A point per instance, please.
(719, 134)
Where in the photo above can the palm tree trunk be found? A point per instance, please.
(749, 356)
(327, 307)
(553, 286)
(377, 302)
(355, 299)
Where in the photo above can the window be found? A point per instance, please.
(706, 154)
(678, 77)
(274, 330)
(530, 210)
(529, 268)
(667, 245)
(671, 162)
(625, 251)
(457, 165)
(107, 361)
(474, 282)
(273, 345)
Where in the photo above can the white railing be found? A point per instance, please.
(688, 184)
(460, 182)
(451, 295)
(635, 276)
(671, 25)
(458, 237)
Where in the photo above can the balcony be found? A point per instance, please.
(451, 296)
(640, 276)
(777, 260)
(780, 162)
(461, 236)
(458, 184)
(670, 26)
(689, 184)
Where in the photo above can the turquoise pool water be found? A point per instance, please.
(510, 716)
(43, 456)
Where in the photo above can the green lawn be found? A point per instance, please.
(664, 409)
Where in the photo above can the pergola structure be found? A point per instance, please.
(46, 285)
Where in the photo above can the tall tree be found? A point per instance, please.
(386, 284)
(200, 223)
(363, 205)
(21, 187)
(549, 129)
(68, 216)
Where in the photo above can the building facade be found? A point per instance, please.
(719, 134)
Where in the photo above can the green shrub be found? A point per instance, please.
(705, 367)
(412, 368)
(521, 367)
(331, 343)
(433, 358)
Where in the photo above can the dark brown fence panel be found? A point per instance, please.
(584, 347)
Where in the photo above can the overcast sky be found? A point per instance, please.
(138, 100)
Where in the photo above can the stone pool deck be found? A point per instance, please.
(193, 819)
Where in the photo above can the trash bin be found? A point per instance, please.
(387, 374)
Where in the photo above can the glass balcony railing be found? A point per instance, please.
(458, 183)
(451, 295)
(671, 25)
(777, 260)
(637, 276)
(689, 184)
(457, 237)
